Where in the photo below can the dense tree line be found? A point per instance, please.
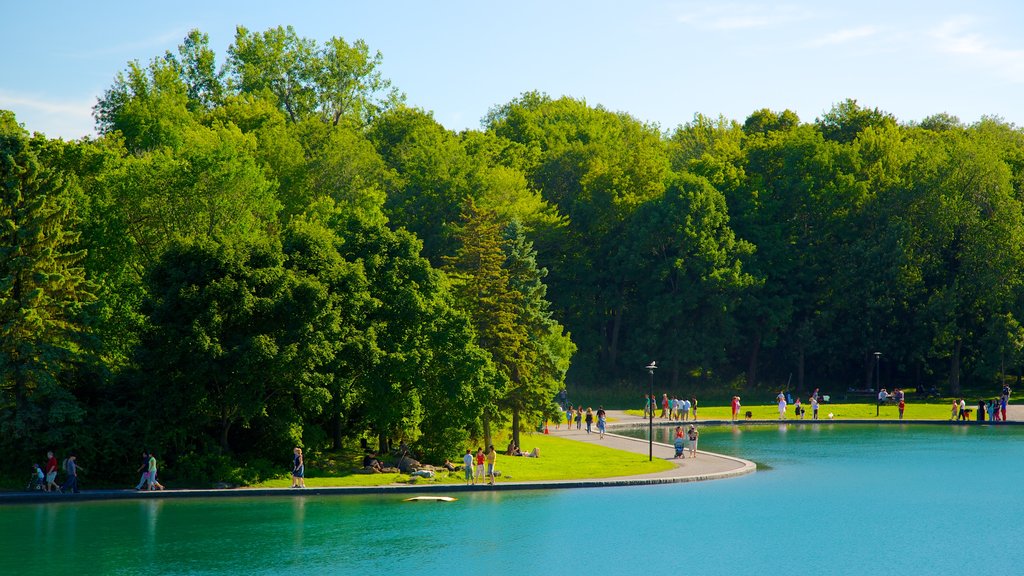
(276, 250)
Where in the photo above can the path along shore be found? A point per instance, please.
(706, 466)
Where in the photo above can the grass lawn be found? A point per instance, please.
(560, 459)
(866, 411)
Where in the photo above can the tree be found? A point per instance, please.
(43, 292)
(483, 288)
(547, 350)
(226, 339)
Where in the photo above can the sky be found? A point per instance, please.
(661, 62)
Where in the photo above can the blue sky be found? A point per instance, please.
(662, 62)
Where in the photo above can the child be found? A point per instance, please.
(38, 480)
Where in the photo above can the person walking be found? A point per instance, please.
(693, 407)
(601, 418)
(467, 465)
(664, 405)
(735, 408)
(298, 469)
(692, 434)
(814, 407)
(902, 405)
(71, 467)
(590, 419)
(51, 473)
(153, 484)
(144, 469)
(782, 406)
(579, 416)
(492, 458)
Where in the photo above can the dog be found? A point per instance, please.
(749, 414)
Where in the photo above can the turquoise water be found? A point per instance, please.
(837, 500)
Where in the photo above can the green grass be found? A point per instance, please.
(863, 411)
(560, 459)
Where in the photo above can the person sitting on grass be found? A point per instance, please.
(370, 462)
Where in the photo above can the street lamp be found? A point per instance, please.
(878, 381)
(650, 415)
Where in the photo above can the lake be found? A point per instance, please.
(837, 499)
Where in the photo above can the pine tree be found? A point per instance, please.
(42, 290)
(482, 285)
(544, 358)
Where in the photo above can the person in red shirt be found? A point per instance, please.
(51, 473)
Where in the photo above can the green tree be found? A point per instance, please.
(43, 293)
(483, 287)
(539, 372)
(226, 340)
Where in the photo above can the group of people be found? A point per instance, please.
(897, 396)
(148, 468)
(45, 478)
(473, 465)
(682, 438)
(798, 408)
(579, 416)
(994, 409)
(672, 408)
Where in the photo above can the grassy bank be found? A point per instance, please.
(560, 459)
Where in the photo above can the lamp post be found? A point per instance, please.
(878, 383)
(650, 415)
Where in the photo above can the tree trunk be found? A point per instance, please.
(752, 364)
(336, 431)
(800, 370)
(954, 368)
(515, 426)
(382, 445)
(225, 426)
(613, 345)
(487, 430)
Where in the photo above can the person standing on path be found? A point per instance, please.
(814, 407)
(692, 434)
(492, 457)
(467, 464)
(735, 408)
(51, 473)
(693, 406)
(298, 469)
(664, 405)
(902, 405)
(144, 468)
(590, 419)
(601, 418)
(647, 405)
(579, 416)
(782, 406)
(480, 464)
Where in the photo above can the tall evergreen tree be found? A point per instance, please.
(483, 286)
(42, 291)
(544, 359)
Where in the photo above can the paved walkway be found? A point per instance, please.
(706, 466)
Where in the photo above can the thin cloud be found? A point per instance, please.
(157, 41)
(740, 16)
(956, 36)
(845, 36)
(68, 119)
